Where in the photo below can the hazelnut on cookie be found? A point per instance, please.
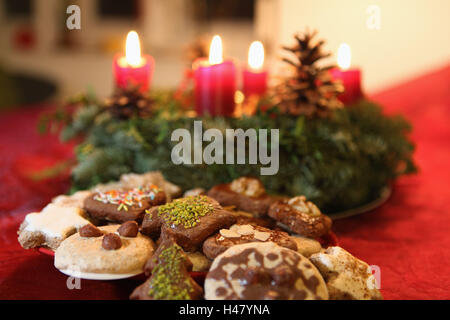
(103, 251)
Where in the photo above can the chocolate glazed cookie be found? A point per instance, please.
(246, 194)
(239, 234)
(123, 205)
(301, 217)
(257, 271)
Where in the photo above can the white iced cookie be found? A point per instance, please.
(263, 270)
(346, 276)
(306, 246)
(88, 254)
(50, 226)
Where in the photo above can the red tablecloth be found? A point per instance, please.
(408, 237)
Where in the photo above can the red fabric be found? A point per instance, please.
(408, 237)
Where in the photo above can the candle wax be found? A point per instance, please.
(126, 74)
(351, 80)
(215, 86)
(254, 82)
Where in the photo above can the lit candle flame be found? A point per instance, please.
(256, 55)
(344, 56)
(133, 49)
(215, 50)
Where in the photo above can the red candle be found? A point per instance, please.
(351, 78)
(215, 83)
(254, 77)
(132, 68)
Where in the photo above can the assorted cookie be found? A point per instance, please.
(103, 250)
(347, 277)
(169, 280)
(301, 217)
(245, 233)
(263, 271)
(188, 220)
(235, 234)
(246, 194)
(120, 205)
(51, 226)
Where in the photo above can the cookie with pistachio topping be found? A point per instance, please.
(124, 204)
(301, 216)
(189, 221)
(170, 279)
(246, 194)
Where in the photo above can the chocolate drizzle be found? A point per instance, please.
(285, 280)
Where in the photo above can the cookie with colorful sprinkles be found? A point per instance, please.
(122, 205)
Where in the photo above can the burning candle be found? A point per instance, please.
(215, 82)
(254, 76)
(351, 78)
(132, 68)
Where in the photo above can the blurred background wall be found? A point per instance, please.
(412, 38)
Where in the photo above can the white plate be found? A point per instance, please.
(99, 276)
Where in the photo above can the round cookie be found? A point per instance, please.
(86, 254)
(263, 270)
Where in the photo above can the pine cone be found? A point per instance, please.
(128, 102)
(311, 91)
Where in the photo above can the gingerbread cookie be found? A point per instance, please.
(239, 234)
(51, 226)
(243, 217)
(346, 276)
(170, 279)
(109, 253)
(301, 216)
(263, 270)
(246, 194)
(123, 205)
(189, 221)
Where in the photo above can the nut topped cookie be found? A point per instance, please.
(239, 234)
(245, 193)
(263, 270)
(346, 276)
(301, 217)
(189, 221)
(123, 205)
(109, 253)
(170, 279)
